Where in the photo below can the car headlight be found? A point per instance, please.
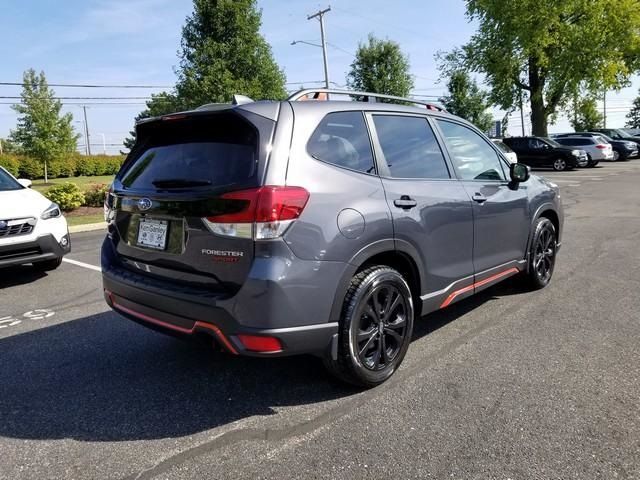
(631, 145)
(52, 211)
(575, 153)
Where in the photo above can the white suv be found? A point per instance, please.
(32, 229)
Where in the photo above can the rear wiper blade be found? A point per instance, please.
(179, 183)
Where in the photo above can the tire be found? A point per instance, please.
(559, 164)
(616, 156)
(48, 265)
(542, 254)
(375, 328)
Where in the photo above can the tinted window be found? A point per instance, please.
(472, 156)
(7, 182)
(410, 148)
(574, 141)
(196, 152)
(536, 144)
(342, 139)
(503, 147)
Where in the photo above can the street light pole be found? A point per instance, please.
(320, 15)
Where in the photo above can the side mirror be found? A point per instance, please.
(519, 172)
(26, 183)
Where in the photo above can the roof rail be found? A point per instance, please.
(366, 96)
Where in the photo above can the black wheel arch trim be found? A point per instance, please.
(363, 255)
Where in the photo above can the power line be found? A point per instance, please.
(76, 85)
(85, 98)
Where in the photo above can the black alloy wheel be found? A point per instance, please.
(375, 328)
(543, 253)
(382, 328)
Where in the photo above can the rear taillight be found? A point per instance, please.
(262, 213)
(601, 147)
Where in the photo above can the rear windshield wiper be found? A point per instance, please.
(179, 183)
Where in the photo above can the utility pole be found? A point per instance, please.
(86, 130)
(521, 114)
(604, 120)
(320, 15)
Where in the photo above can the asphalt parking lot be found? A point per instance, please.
(507, 384)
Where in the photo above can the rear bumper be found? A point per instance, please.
(171, 308)
(43, 248)
(314, 339)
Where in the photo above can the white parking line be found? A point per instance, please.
(82, 264)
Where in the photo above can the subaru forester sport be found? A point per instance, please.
(318, 227)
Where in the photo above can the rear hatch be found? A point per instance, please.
(174, 179)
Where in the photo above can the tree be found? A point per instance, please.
(584, 115)
(42, 133)
(222, 53)
(466, 100)
(380, 67)
(633, 117)
(7, 146)
(547, 48)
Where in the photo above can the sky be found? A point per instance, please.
(135, 42)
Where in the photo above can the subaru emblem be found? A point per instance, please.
(144, 204)
(3, 224)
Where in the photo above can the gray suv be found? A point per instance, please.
(318, 227)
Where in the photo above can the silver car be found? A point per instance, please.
(597, 147)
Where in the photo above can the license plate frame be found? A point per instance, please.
(152, 233)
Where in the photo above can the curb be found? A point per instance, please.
(89, 227)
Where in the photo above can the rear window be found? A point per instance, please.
(199, 151)
(342, 139)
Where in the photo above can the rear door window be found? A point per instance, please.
(202, 151)
(410, 147)
(342, 139)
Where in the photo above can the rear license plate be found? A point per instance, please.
(152, 233)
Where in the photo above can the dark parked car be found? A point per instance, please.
(622, 149)
(545, 152)
(618, 134)
(321, 227)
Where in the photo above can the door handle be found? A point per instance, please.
(478, 197)
(405, 202)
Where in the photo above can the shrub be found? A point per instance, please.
(68, 195)
(31, 168)
(11, 163)
(94, 197)
(68, 166)
(61, 168)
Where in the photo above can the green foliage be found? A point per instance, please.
(380, 67)
(31, 168)
(68, 195)
(584, 115)
(42, 133)
(11, 163)
(466, 100)
(8, 146)
(551, 49)
(222, 53)
(95, 195)
(633, 117)
(67, 166)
